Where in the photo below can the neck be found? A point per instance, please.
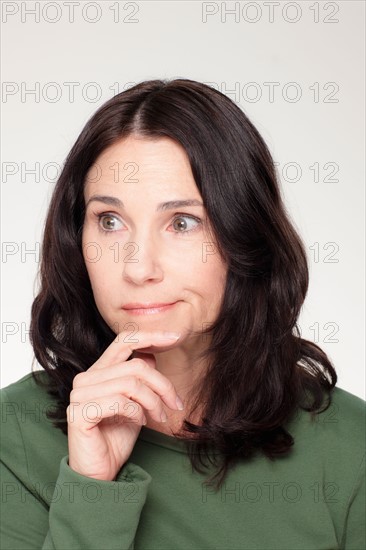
(181, 367)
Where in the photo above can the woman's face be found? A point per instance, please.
(137, 249)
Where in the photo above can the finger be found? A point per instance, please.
(156, 381)
(149, 358)
(121, 348)
(86, 415)
(130, 387)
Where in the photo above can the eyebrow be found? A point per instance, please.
(169, 205)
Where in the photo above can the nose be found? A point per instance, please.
(141, 261)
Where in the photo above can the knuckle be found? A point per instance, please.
(168, 386)
(78, 379)
(132, 382)
(72, 396)
(136, 384)
(171, 386)
(139, 363)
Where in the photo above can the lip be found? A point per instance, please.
(147, 309)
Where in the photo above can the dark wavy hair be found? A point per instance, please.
(260, 371)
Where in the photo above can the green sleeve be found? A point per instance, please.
(67, 510)
(354, 537)
(84, 513)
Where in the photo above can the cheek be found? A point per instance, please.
(96, 263)
(208, 275)
(97, 255)
(97, 281)
(218, 277)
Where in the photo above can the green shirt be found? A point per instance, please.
(313, 499)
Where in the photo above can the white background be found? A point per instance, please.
(311, 54)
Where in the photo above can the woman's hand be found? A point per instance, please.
(108, 404)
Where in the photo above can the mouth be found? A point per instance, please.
(147, 309)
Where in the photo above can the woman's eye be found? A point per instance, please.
(182, 226)
(108, 222)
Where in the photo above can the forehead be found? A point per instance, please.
(160, 161)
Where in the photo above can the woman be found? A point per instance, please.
(230, 433)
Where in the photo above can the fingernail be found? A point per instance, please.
(163, 417)
(179, 403)
(170, 335)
